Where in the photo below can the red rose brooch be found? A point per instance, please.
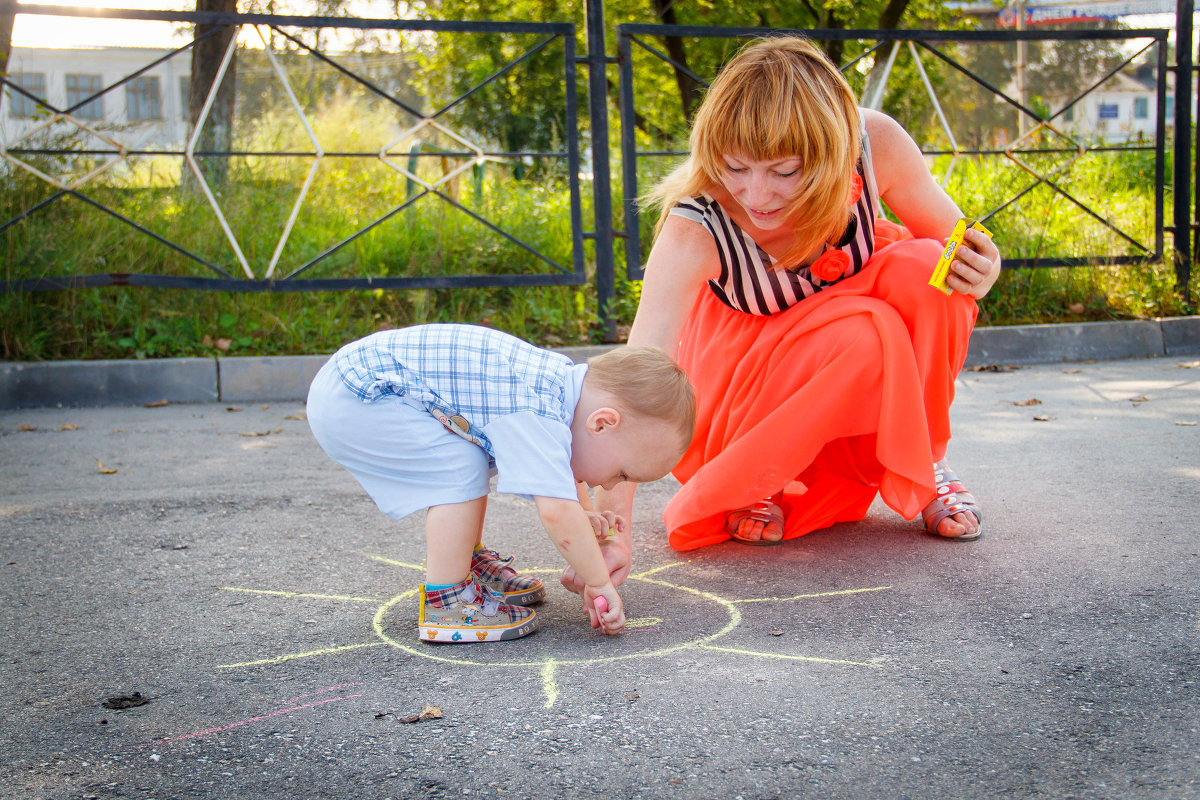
(855, 189)
(830, 266)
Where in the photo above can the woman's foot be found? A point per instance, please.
(760, 524)
(953, 513)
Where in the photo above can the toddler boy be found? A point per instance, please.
(423, 416)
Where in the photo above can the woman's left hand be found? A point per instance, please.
(976, 266)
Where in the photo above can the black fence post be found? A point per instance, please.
(1184, 174)
(597, 61)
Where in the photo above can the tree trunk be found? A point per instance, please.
(8, 14)
(217, 134)
(689, 88)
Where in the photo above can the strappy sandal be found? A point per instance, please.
(764, 511)
(952, 498)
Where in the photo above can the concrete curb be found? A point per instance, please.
(248, 379)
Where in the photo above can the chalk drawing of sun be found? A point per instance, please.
(694, 618)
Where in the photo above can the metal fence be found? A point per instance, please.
(235, 270)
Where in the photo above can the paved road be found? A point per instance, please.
(210, 558)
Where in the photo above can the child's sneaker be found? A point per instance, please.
(469, 612)
(496, 574)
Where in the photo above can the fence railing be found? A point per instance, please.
(884, 45)
(430, 171)
(456, 153)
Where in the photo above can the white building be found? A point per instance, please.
(146, 112)
(1122, 109)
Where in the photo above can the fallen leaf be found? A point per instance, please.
(127, 700)
(1043, 419)
(158, 404)
(223, 344)
(233, 408)
(297, 415)
(993, 368)
(777, 633)
(25, 426)
(1187, 424)
(1076, 308)
(1033, 401)
(429, 712)
(262, 433)
(206, 340)
(1189, 364)
(66, 426)
(633, 696)
(1141, 398)
(1072, 371)
(103, 469)
(265, 406)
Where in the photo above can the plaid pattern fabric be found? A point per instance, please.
(469, 612)
(464, 375)
(497, 574)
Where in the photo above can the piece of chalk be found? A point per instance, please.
(602, 604)
(942, 269)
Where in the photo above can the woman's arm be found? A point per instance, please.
(909, 190)
(683, 259)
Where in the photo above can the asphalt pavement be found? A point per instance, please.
(205, 569)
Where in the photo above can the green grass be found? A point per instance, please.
(432, 238)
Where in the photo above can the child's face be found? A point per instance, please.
(638, 451)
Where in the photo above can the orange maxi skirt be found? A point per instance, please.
(844, 396)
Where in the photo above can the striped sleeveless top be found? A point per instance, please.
(749, 282)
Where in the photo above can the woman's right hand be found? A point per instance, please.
(617, 557)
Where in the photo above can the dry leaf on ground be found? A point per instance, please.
(1033, 401)
(1044, 419)
(66, 426)
(158, 404)
(103, 469)
(429, 712)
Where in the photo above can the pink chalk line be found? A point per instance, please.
(266, 716)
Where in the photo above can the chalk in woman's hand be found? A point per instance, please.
(601, 605)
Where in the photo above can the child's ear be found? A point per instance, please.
(603, 420)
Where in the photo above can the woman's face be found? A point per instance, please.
(762, 188)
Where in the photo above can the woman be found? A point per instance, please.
(823, 361)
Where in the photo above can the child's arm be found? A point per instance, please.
(568, 526)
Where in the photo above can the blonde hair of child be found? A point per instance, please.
(779, 97)
(647, 383)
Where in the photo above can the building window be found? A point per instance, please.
(1108, 111)
(79, 89)
(1141, 108)
(185, 97)
(142, 99)
(21, 106)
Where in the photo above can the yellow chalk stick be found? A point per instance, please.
(942, 268)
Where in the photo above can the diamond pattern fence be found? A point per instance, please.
(271, 228)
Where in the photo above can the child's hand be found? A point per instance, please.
(606, 524)
(604, 608)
